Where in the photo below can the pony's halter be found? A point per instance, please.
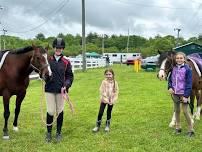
(163, 73)
(163, 65)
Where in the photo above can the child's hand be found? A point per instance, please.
(171, 91)
(185, 100)
(109, 100)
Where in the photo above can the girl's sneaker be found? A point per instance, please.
(190, 134)
(178, 131)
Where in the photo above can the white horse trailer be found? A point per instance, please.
(121, 57)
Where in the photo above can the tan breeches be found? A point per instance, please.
(177, 102)
(54, 103)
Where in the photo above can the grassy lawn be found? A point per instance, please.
(139, 120)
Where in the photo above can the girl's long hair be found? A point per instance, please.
(111, 71)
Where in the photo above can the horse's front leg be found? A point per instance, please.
(173, 121)
(19, 100)
(191, 105)
(199, 102)
(6, 98)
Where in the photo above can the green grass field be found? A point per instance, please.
(139, 120)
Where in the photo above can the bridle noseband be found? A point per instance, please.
(39, 69)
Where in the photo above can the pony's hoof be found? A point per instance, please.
(6, 137)
(196, 116)
(15, 129)
(172, 124)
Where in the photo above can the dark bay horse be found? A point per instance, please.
(166, 62)
(14, 77)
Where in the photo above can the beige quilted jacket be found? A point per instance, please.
(109, 91)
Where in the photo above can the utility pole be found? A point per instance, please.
(83, 37)
(103, 44)
(4, 33)
(178, 33)
(127, 41)
(1, 8)
(0, 40)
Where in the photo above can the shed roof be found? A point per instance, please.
(191, 43)
(93, 54)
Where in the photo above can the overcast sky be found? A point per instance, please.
(147, 18)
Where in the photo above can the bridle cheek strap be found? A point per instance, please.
(39, 70)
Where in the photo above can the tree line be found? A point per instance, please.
(94, 43)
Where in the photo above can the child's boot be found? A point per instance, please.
(97, 127)
(107, 125)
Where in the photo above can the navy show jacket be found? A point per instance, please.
(62, 75)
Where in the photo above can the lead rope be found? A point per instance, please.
(65, 97)
(42, 116)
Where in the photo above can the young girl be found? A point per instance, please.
(109, 94)
(179, 86)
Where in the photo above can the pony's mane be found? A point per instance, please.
(164, 55)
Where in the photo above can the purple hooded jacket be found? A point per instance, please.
(180, 80)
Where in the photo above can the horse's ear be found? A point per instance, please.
(47, 48)
(34, 46)
(159, 52)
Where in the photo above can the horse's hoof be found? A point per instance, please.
(197, 117)
(192, 121)
(15, 129)
(6, 137)
(172, 124)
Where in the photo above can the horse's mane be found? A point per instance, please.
(164, 55)
(22, 50)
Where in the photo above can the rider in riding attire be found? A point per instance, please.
(62, 78)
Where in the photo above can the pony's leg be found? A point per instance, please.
(173, 121)
(191, 105)
(6, 98)
(198, 111)
(19, 100)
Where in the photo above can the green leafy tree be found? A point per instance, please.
(40, 36)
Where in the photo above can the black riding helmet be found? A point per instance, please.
(59, 43)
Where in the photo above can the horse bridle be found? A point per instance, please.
(38, 69)
(167, 71)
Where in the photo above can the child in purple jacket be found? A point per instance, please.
(180, 87)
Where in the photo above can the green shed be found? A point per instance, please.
(189, 48)
(93, 55)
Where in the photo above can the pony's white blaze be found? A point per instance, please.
(161, 73)
(49, 69)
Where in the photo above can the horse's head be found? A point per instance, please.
(166, 62)
(40, 63)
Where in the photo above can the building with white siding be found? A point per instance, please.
(121, 57)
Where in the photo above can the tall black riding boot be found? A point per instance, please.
(59, 126)
(49, 121)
